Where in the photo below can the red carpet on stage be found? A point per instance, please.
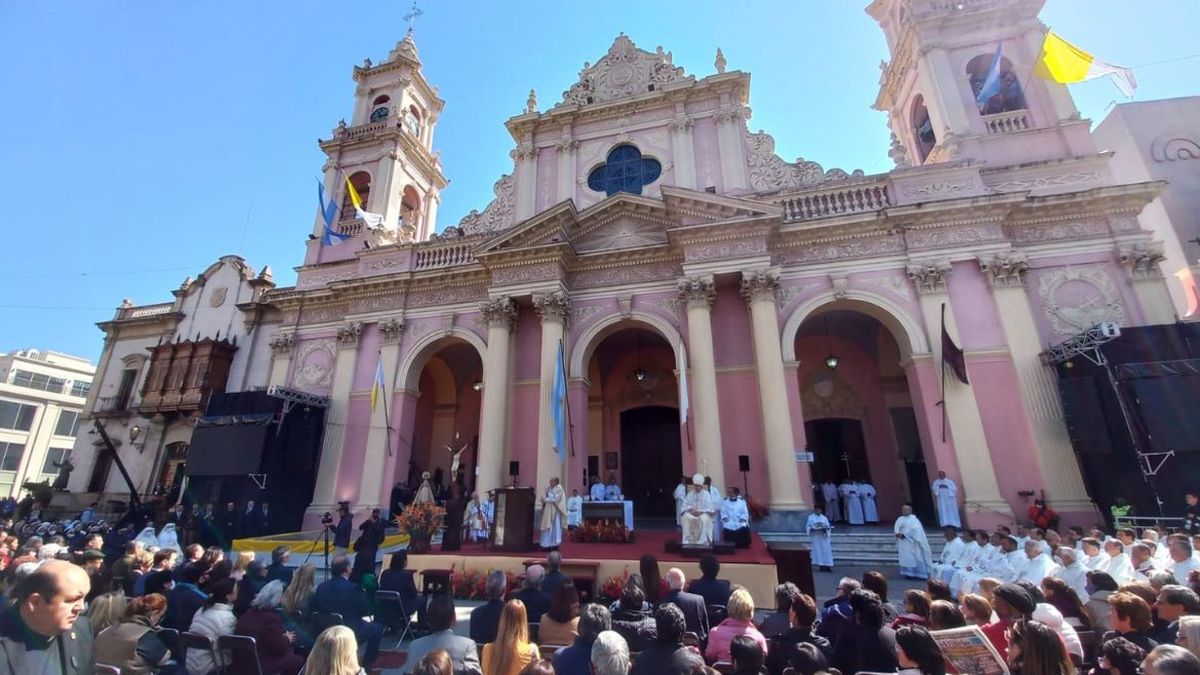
(647, 541)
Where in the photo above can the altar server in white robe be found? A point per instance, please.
(477, 519)
(1072, 571)
(818, 528)
(1039, 566)
(697, 519)
(554, 515)
(866, 492)
(680, 494)
(1013, 564)
(972, 551)
(1093, 553)
(735, 519)
(852, 502)
(913, 547)
(833, 509)
(943, 566)
(966, 578)
(945, 495)
(574, 510)
(1118, 565)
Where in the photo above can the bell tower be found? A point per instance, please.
(387, 153)
(936, 93)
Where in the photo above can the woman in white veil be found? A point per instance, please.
(147, 537)
(167, 538)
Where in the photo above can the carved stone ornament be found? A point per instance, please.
(760, 284)
(698, 291)
(348, 335)
(1005, 270)
(770, 172)
(390, 329)
(930, 277)
(898, 153)
(498, 312)
(841, 287)
(1142, 258)
(625, 305)
(498, 215)
(1077, 298)
(282, 343)
(1175, 146)
(719, 63)
(552, 306)
(624, 71)
(531, 102)
(314, 368)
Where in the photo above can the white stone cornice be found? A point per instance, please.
(1005, 270)
(930, 277)
(698, 290)
(760, 284)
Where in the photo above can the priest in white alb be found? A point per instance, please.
(945, 496)
(1073, 571)
(680, 494)
(735, 520)
(829, 492)
(697, 518)
(1039, 566)
(943, 567)
(851, 502)
(866, 492)
(818, 528)
(554, 515)
(477, 519)
(915, 555)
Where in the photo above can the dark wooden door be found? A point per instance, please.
(651, 462)
(839, 451)
(100, 470)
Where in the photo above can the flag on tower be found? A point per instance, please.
(373, 220)
(991, 84)
(328, 214)
(952, 354)
(1063, 62)
(558, 399)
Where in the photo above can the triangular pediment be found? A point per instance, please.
(697, 206)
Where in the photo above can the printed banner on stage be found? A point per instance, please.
(968, 650)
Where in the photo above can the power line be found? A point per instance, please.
(64, 309)
(102, 273)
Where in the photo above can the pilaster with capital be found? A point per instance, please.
(730, 143)
(349, 334)
(552, 308)
(281, 356)
(566, 149)
(499, 315)
(525, 156)
(699, 292)
(332, 446)
(981, 490)
(1061, 478)
(760, 288)
(375, 481)
(683, 150)
(1141, 261)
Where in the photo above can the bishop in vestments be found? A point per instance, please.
(915, 555)
(554, 515)
(697, 518)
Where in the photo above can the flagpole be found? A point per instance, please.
(566, 395)
(943, 353)
(387, 425)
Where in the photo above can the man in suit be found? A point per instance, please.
(227, 526)
(248, 523)
(531, 593)
(554, 576)
(577, 659)
(37, 630)
(485, 619)
(278, 569)
(462, 651)
(341, 596)
(695, 613)
(714, 591)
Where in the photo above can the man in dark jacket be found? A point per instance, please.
(714, 591)
(667, 655)
(554, 574)
(485, 619)
(837, 617)
(339, 595)
(184, 600)
(779, 622)
(37, 632)
(577, 659)
(367, 546)
(632, 621)
(869, 645)
(278, 569)
(695, 613)
(536, 600)
(344, 528)
(227, 526)
(785, 647)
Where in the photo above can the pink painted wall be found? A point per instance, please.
(527, 346)
(741, 430)
(354, 444)
(367, 360)
(1006, 426)
(523, 432)
(733, 343)
(974, 311)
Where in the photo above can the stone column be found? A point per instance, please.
(324, 498)
(526, 158)
(281, 357)
(499, 314)
(699, 293)
(980, 489)
(552, 308)
(432, 201)
(760, 288)
(1141, 261)
(566, 169)
(730, 145)
(943, 81)
(375, 483)
(683, 149)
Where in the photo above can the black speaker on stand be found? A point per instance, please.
(514, 471)
(744, 467)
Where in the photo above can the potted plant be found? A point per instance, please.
(420, 522)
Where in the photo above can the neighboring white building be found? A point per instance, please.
(41, 401)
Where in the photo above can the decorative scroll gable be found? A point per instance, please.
(498, 215)
(769, 171)
(624, 71)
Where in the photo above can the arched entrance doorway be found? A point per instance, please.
(859, 416)
(449, 391)
(634, 432)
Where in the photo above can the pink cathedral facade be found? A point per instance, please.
(662, 243)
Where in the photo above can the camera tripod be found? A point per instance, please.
(323, 536)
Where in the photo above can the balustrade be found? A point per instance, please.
(1007, 122)
(826, 202)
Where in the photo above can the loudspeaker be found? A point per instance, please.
(743, 462)
(514, 468)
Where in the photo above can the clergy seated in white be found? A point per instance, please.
(574, 510)
(1039, 566)
(998, 565)
(1073, 572)
(833, 509)
(945, 497)
(612, 491)
(1141, 556)
(554, 516)
(943, 566)
(735, 519)
(477, 520)
(1182, 560)
(697, 518)
(680, 494)
(866, 492)
(818, 528)
(913, 547)
(1117, 565)
(975, 547)
(852, 503)
(1093, 553)
(596, 492)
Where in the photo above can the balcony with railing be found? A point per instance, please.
(441, 254)
(1007, 122)
(837, 199)
(145, 311)
(113, 406)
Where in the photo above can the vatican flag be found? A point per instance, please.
(373, 220)
(1065, 63)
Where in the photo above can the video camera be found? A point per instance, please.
(327, 519)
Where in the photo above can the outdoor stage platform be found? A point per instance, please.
(753, 568)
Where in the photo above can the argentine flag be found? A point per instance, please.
(328, 213)
(558, 399)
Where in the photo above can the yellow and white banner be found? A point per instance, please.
(1063, 62)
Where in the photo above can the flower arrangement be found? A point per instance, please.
(602, 532)
(757, 509)
(612, 587)
(420, 522)
(472, 584)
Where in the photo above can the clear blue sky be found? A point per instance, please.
(142, 140)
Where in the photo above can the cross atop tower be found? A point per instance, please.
(411, 17)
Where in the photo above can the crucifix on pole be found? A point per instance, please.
(846, 460)
(411, 17)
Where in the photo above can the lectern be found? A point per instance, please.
(512, 529)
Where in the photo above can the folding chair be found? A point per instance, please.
(170, 638)
(548, 651)
(323, 620)
(200, 643)
(244, 653)
(102, 669)
(716, 614)
(402, 619)
(724, 667)
(690, 639)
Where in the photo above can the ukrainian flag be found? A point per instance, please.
(1063, 62)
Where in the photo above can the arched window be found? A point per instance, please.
(361, 180)
(379, 108)
(1005, 95)
(412, 121)
(922, 127)
(625, 170)
(410, 208)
